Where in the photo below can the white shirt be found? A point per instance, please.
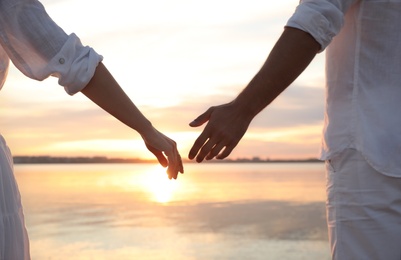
(363, 76)
(39, 48)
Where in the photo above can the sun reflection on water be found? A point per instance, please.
(161, 189)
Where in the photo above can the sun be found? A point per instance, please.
(161, 189)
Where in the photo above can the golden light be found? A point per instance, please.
(131, 148)
(161, 189)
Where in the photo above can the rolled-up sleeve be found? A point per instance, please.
(39, 48)
(323, 19)
(74, 65)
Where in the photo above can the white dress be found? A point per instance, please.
(14, 243)
(39, 49)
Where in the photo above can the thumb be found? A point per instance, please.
(159, 155)
(203, 118)
(161, 158)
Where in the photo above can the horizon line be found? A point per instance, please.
(26, 159)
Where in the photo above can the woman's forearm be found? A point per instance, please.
(104, 91)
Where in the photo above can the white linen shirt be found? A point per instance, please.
(39, 48)
(363, 76)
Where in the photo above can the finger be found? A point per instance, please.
(170, 171)
(215, 151)
(162, 159)
(178, 163)
(178, 169)
(181, 165)
(226, 152)
(173, 167)
(170, 167)
(174, 162)
(205, 150)
(199, 142)
(182, 168)
(203, 118)
(159, 155)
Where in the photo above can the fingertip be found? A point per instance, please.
(224, 154)
(163, 161)
(174, 175)
(221, 157)
(195, 123)
(209, 158)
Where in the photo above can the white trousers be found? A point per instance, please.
(14, 244)
(363, 210)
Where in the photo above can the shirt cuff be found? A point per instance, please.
(74, 65)
(321, 20)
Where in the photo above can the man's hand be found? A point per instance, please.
(227, 125)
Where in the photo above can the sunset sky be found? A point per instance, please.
(174, 59)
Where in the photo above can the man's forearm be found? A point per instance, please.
(292, 53)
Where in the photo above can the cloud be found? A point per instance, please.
(174, 59)
(295, 107)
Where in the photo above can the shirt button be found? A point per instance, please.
(61, 60)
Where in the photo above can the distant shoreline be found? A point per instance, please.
(101, 159)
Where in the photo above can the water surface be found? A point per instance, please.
(213, 211)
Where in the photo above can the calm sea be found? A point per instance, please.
(213, 211)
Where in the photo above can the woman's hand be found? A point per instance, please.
(162, 146)
(104, 91)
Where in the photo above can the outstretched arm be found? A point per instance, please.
(292, 53)
(107, 94)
